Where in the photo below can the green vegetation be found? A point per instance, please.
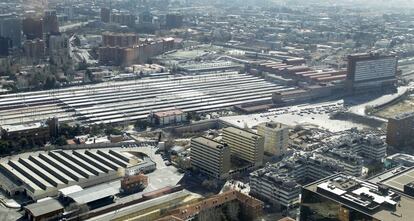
(141, 124)
(8, 147)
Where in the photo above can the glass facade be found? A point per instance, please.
(315, 207)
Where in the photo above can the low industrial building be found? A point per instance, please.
(163, 118)
(303, 95)
(210, 67)
(42, 174)
(145, 166)
(37, 132)
(46, 209)
(100, 195)
(135, 183)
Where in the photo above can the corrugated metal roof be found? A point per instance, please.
(44, 207)
(94, 193)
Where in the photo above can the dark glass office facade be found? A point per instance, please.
(315, 207)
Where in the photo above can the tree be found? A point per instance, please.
(61, 141)
(111, 130)
(193, 116)
(95, 130)
(4, 147)
(24, 143)
(50, 82)
(141, 124)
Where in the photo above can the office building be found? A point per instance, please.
(245, 145)
(50, 23)
(11, 28)
(276, 137)
(368, 146)
(344, 198)
(173, 21)
(105, 15)
(372, 148)
(371, 72)
(400, 130)
(33, 28)
(279, 183)
(5, 45)
(276, 184)
(210, 157)
(345, 161)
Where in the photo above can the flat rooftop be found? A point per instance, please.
(398, 180)
(365, 197)
(208, 142)
(241, 132)
(168, 113)
(273, 125)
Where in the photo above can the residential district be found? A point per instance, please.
(206, 110)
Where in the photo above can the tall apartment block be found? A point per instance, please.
(210, 157)
(50, 23)
(276, 137)
(33, 28)
(105, 15)
(245, 145)
(400, 130)
(174, 21)
(11, 28)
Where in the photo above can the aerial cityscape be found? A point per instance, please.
(207, 110)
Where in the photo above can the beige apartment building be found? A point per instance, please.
(210, 157)
(276, 137)
(245, 145)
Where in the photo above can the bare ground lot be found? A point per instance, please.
(406, 105)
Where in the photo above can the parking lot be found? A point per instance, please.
(317, 115)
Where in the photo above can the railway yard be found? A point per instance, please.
(126, 101)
